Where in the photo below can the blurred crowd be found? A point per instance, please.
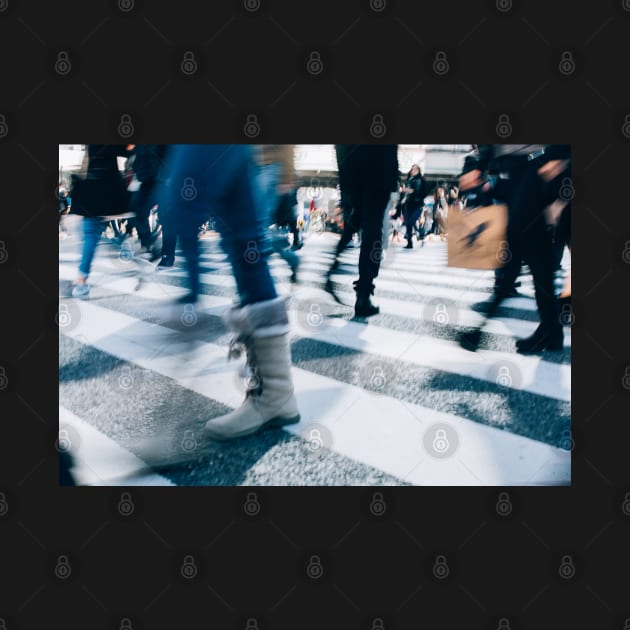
(170, 194)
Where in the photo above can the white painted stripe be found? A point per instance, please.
(411, 310)
(100, 461)
(376, 430)
(532, 373)
(417, 289)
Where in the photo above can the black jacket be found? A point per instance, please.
(485, 158)
(102, 191)
(415, 200)
(372, 167)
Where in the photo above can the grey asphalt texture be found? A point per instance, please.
(147, 419)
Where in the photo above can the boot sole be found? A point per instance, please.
(277, 422)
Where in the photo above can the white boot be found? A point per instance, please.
(264, 331)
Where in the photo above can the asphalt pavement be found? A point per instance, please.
(389, 400)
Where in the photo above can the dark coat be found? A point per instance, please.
(102, 191)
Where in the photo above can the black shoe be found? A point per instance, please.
(166, 263)
(330, 289)
(363, 307)
(190, 298)
(540, 341)
(470, 339)
(409, 245)
(512, 293)
(294, 270)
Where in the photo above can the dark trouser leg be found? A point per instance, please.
(169, 233)
(188, 232)
(141, 206)
(540, 261)
(374, 206)
(410, 222)
(505, 280)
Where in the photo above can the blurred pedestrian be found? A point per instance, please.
(226, 186)
(523, 171)
(368, 174)
(414, 192)
(98, 196)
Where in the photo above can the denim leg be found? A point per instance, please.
(92, 228)
(222, 181)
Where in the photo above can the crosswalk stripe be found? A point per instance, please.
(157, 289)
(364, 427)
(99, 460)
(534, 374)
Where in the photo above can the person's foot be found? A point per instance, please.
(294, 270)
(541, 340)
(409, 245)
(329, 287)
(296, 246)
(167, 262)
(363, 306)
(81, 291)
(470, 339)
(189, 298)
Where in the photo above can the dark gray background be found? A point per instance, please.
(503, 59)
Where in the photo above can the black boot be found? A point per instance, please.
(470, 339)
(541, 340)
(363, 307)
(409, 244)
(329, 286)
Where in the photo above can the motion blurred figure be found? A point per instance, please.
(368, 174)
(224, 184)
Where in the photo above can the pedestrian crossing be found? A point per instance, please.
(392, 400)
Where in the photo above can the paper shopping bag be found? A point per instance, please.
(476, 237)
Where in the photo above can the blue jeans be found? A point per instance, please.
(92, 229)
(220, 180)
